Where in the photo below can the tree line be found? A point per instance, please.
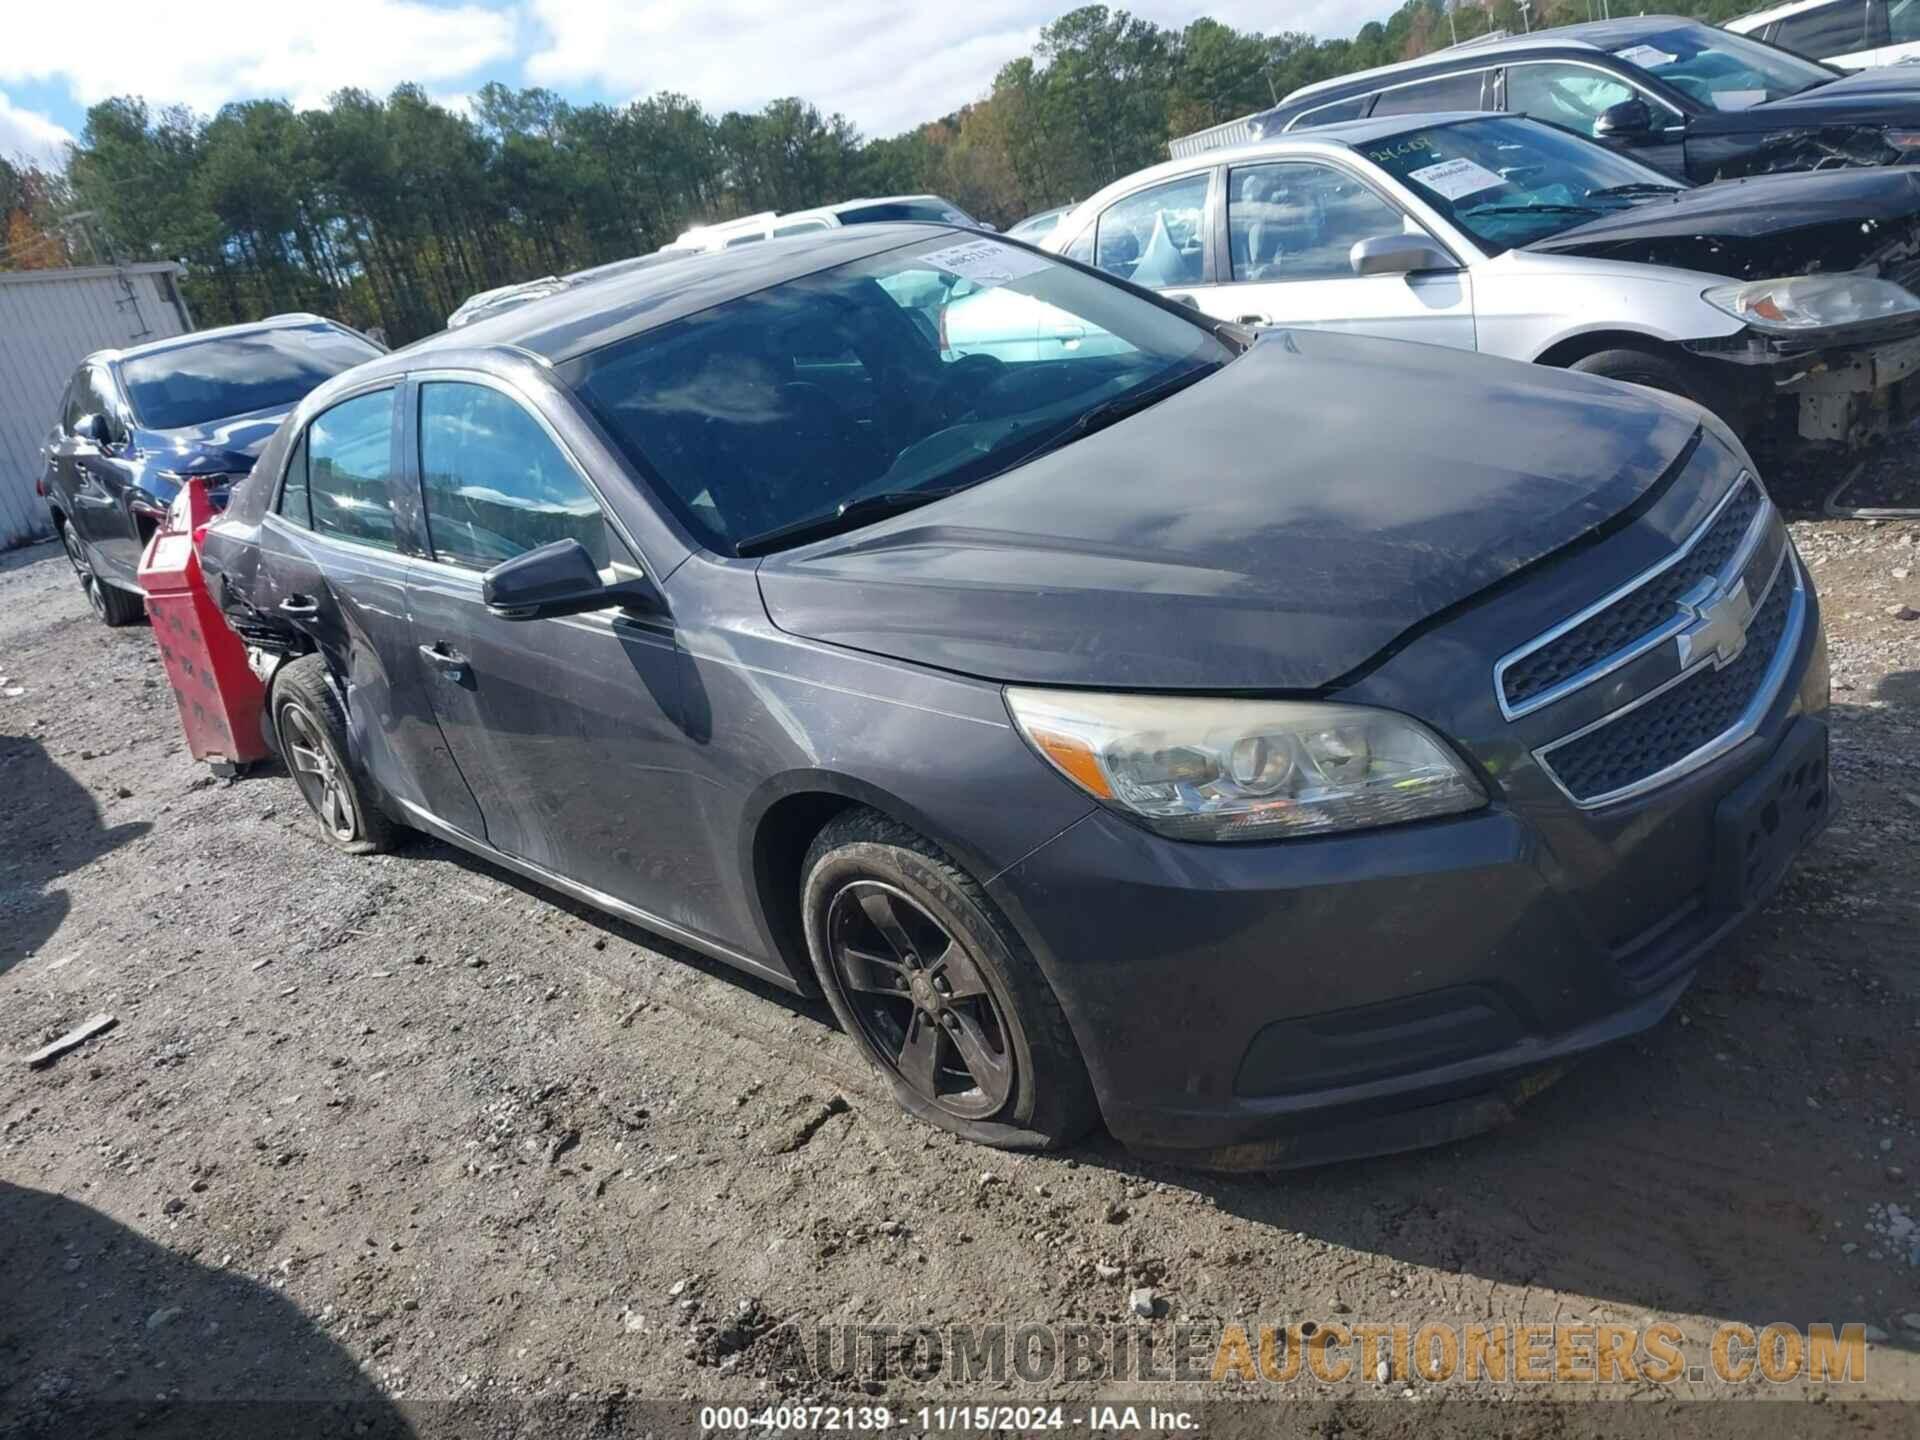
(390, 211)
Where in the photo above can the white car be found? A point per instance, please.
(1503, 235)
(773, 225)
(1852, 34)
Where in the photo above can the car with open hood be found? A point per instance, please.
(1784, 303)
(1697, 102)
(1278, 746)
(136, 423)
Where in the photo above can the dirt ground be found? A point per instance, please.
(399, 1131)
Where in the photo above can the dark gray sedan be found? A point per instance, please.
(1281, 748)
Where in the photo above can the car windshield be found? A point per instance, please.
(238, 374)
(1719, 69)
(1510, 182)
(883, 382)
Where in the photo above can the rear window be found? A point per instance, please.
(238, 374)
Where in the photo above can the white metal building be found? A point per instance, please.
(49, 321)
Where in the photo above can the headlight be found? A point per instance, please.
(1813, 302)
(1208, 769)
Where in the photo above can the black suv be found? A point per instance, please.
(137, 423)
(1697, 102)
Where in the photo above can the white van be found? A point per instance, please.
(1852, 34)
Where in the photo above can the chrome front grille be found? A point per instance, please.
(1696, 647)
(1632, 620)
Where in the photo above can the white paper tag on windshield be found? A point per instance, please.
(1456, 179)
(1647, 57)
(1737, 99)
(986, 262)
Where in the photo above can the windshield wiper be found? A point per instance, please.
(1637, 187)
(1111, 412)
(849, 516)
(1535, 207)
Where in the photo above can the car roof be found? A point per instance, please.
(292, 321)
(1590, 35)
(574, 321)
(1741, 24)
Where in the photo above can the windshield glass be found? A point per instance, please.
(238, 374)
(1721, 70)
(925, 368)
(1510, 182)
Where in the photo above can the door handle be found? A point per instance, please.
(1253, 319)
(450, 663)
(299, 607)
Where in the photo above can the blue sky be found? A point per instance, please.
(885, 66)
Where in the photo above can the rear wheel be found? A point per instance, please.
(1668, 373)
(312, 731)
(113, 605)
(938, 990)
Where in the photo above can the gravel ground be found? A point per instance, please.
(406, 1129)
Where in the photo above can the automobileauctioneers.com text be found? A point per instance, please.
(1336, 1354)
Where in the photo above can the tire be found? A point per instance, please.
(114, 606)
(1665, 373)
(311, 730)
(1004, 1069)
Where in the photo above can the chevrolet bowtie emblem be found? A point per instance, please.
(1719, 628)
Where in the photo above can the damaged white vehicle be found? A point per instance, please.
(1780, 302)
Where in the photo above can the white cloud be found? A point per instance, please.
(29, 135)
(212, 51)
(886, 67)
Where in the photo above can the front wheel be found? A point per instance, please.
(1666, 373)
(938, 990)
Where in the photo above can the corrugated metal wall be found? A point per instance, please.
(1215, 137)
(49, 321)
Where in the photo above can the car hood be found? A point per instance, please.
(1889, 94)
(1766, 226)
(218, 446)
(1271, 528)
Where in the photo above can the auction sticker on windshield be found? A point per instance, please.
(986, 262)
(1456, 179)
(1647, 57)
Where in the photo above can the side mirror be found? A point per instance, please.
(559, 579)
(1399, 255)
(96, 428)
(1629, 120)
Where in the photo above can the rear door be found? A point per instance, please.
(1291, 226)
(565, 729)
(96, 477)
(334, 568)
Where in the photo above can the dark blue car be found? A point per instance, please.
(136, 423)
(1276, 745)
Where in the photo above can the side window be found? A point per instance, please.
(1354, 109)
(350, 469)
(495, 483)
(100, 399)
(1082, 247)
(1903, 22)
(75, 405)
(294, 503)
(1570, 96)
(1835, 29)
(1156, 237)
(1298, 221)
(1446, 92)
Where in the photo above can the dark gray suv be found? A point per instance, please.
(1280, 748)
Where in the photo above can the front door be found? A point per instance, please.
(567, 730)
(1291, 229)
(334, 569)
(1574, 95)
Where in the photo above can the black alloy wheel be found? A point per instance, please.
(921, 1001)
(83, 570)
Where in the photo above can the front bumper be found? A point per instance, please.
(1847, 387)
(1259, 1006)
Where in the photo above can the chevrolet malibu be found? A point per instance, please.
(1279, 747)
